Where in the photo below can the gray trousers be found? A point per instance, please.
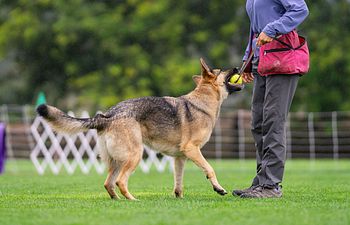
(272, 97)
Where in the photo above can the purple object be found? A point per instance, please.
(2, 146)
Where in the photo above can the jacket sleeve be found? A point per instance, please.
(247, 50)
(296, 12)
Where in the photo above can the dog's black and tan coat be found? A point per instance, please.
(178, 127)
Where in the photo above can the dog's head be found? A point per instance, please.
(218, 79)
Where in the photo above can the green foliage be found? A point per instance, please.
(326, 87)
(96, 53)
(93, 54)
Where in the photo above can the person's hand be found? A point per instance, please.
(247, 77)
(263, 39)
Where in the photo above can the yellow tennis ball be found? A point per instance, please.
(236, 79)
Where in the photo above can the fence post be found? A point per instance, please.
(311, 135)
(289, 139)
(335, 136)
(26, 119)
(218, 140)
(241, 135)
(2, 146)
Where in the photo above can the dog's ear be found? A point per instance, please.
(206, 72)
(197, 79)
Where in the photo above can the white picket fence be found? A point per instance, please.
(57, 152)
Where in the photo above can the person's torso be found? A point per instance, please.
(262, 12)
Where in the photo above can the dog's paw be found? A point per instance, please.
(115, 197)
(178, 194)
(220, 191)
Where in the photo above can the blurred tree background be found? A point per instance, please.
(94, 53)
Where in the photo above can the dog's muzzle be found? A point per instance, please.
(232, 87)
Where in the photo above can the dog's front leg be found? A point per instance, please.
(196, 156)
(179, 165)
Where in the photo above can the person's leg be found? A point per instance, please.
(256, 124)
(279, 93)
(257, 119)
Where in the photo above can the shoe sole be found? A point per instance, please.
(234, 193)
(249, 196)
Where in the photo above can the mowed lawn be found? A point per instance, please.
(315, 192)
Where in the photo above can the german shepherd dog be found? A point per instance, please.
(177, 127)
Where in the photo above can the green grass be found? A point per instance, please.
(314, 193)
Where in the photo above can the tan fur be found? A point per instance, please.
(208, 95)
(63, 124)
(121, 142)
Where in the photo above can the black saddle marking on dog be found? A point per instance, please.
(189, 106)
(188, 113)
(157, 110)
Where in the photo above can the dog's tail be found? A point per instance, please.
(61, 122)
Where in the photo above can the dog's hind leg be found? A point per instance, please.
(109, 184)
(124, 145)
(194, 153)
(112, 165)
(179, 164)
(126, 170)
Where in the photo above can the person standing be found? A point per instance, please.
(272, 94)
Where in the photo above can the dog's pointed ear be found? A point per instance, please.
(206, 72)
(197, 79)
(204, 65)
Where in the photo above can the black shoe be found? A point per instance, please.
(264, 192)
(240, 192)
